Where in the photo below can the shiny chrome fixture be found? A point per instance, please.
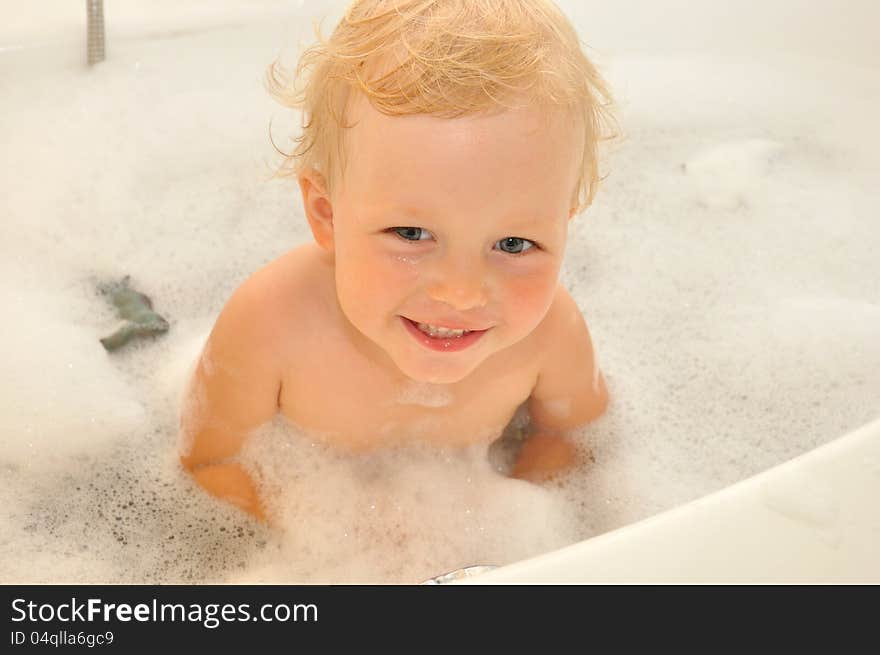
(95, 34)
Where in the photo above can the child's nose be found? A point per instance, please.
(459, 284)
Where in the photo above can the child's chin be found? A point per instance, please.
(434, 373)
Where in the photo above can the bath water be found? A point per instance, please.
(728, 271)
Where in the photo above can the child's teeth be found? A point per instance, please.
(438, 331)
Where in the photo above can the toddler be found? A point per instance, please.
(445, 146)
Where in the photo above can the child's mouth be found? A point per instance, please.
(442, 338)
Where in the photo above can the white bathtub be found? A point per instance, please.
(811, 520)
(814, 518)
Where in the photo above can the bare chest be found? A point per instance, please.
(351, 402)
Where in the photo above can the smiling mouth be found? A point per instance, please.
(440, 337)
(438, 331)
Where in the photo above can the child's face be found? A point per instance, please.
(456, 223)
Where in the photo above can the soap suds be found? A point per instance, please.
(734, 304)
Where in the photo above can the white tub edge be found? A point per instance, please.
(812, 520)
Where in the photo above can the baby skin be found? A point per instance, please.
(428, 307)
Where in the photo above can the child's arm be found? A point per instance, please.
(570, 391)
(234, 389)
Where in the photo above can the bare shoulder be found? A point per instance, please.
(238, 378)
(265, 321)
(278, 286)
(570, 389)
(564, 321)
(279, 298)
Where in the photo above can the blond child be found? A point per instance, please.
(446, 144)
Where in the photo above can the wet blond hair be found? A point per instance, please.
(446, 58)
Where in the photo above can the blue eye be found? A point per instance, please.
(514, 245)
(412, 233)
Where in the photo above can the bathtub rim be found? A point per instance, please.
(809, 520)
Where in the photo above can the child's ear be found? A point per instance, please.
(318, 208)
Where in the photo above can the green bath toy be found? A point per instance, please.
(136, 309)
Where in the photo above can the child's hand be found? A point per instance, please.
(542, 456)
(231, 483)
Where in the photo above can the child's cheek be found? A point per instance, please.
(528, 291)
(403, 265)
(382, 276)
(400, 270)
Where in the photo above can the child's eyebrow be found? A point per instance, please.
(514, 221)
(413, 213)
(530, 220)
(401, 212)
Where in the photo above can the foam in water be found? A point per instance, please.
(728, 272)
(399, 515)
